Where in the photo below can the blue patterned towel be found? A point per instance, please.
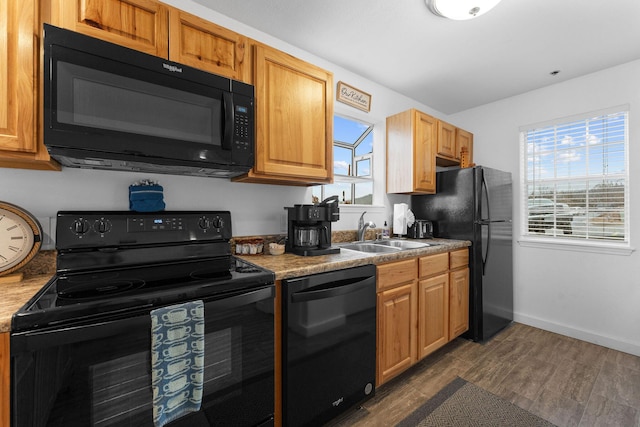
(146, 198)
(177, 360)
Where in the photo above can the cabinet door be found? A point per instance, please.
(396, 334)
(139, 24)
(4, 379)
(464, 139)
(446, 139)
(20, 145)
(433, 314)
(424, 161)
(458, 302)
(17, 79)
(294, 118)
(207, 46)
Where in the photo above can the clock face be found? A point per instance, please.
(19, 237)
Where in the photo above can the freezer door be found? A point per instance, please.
(494, 281)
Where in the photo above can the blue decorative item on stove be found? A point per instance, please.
(146, 196)
(177, 360)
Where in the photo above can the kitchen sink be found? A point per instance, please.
(403, 244)
(386, 246)
(370, 247)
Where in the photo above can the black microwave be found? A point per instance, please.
(110, 107)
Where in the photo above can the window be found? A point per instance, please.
(575, 178)
(352, 163)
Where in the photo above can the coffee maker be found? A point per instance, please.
(309, 228)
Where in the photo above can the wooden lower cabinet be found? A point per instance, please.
(433, 324)
(423, 303)
(459, 293)
(5, 369)
(396, 331)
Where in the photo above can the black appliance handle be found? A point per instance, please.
(334, 289)
(331, 199)
(485, 193)
(228, 116)
(125, 322)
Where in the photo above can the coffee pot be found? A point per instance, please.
(421, 229)
(309, 227)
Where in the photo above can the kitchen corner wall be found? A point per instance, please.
(255, 208)
(591, 296)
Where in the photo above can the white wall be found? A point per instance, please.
(255, 208)
(591, 296)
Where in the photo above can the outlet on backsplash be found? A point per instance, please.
(48, 225)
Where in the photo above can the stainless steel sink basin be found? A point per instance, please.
(402, 244)
(386, 246)
(370, 247)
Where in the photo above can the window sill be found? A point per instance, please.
(578, 246)
(351, 179)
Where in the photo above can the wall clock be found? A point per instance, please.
(20, 237)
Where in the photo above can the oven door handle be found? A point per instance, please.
(55, 337)
(341, 287)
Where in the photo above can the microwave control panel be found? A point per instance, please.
(243, 130)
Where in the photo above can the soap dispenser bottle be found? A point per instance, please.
(385, 231)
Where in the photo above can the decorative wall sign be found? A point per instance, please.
(354, 97)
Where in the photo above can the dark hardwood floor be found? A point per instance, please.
(563, 380)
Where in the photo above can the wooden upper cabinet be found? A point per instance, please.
(138, 24)
(464, 139)
(411, 152)
(446, 139)
(294, 110)
(207, 46)
(20, 145)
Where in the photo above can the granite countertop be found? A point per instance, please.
(42, 268)
(14, 295)
(288, 265)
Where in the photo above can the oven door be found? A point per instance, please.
(98, 374)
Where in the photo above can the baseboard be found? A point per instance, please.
(609, 342)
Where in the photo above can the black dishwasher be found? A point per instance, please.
(328, 344)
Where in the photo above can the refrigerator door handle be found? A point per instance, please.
(485, 193)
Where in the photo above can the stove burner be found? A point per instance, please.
(103, 288)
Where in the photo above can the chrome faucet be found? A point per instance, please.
(362, 226)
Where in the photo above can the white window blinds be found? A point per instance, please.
(575, 180)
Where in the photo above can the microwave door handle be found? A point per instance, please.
(228, 120)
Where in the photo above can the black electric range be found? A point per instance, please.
(110, 262)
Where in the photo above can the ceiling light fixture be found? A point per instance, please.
(461, 9)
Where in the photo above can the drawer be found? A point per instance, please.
(459, 258)
(396, 273)
(434, 264)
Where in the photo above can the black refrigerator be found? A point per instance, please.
(476, 204)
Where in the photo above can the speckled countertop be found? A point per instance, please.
(14, 295)
(288, 265)
(41, 269)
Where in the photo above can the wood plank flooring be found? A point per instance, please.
(563, 380)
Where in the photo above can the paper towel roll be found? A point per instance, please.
(400, 218)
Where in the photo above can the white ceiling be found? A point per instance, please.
(453, 65)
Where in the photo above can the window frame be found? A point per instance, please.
(583, 244)
(352, 179)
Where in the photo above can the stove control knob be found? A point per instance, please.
(102, 226)
(204, 223)
(217, 222)
(80, 226)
